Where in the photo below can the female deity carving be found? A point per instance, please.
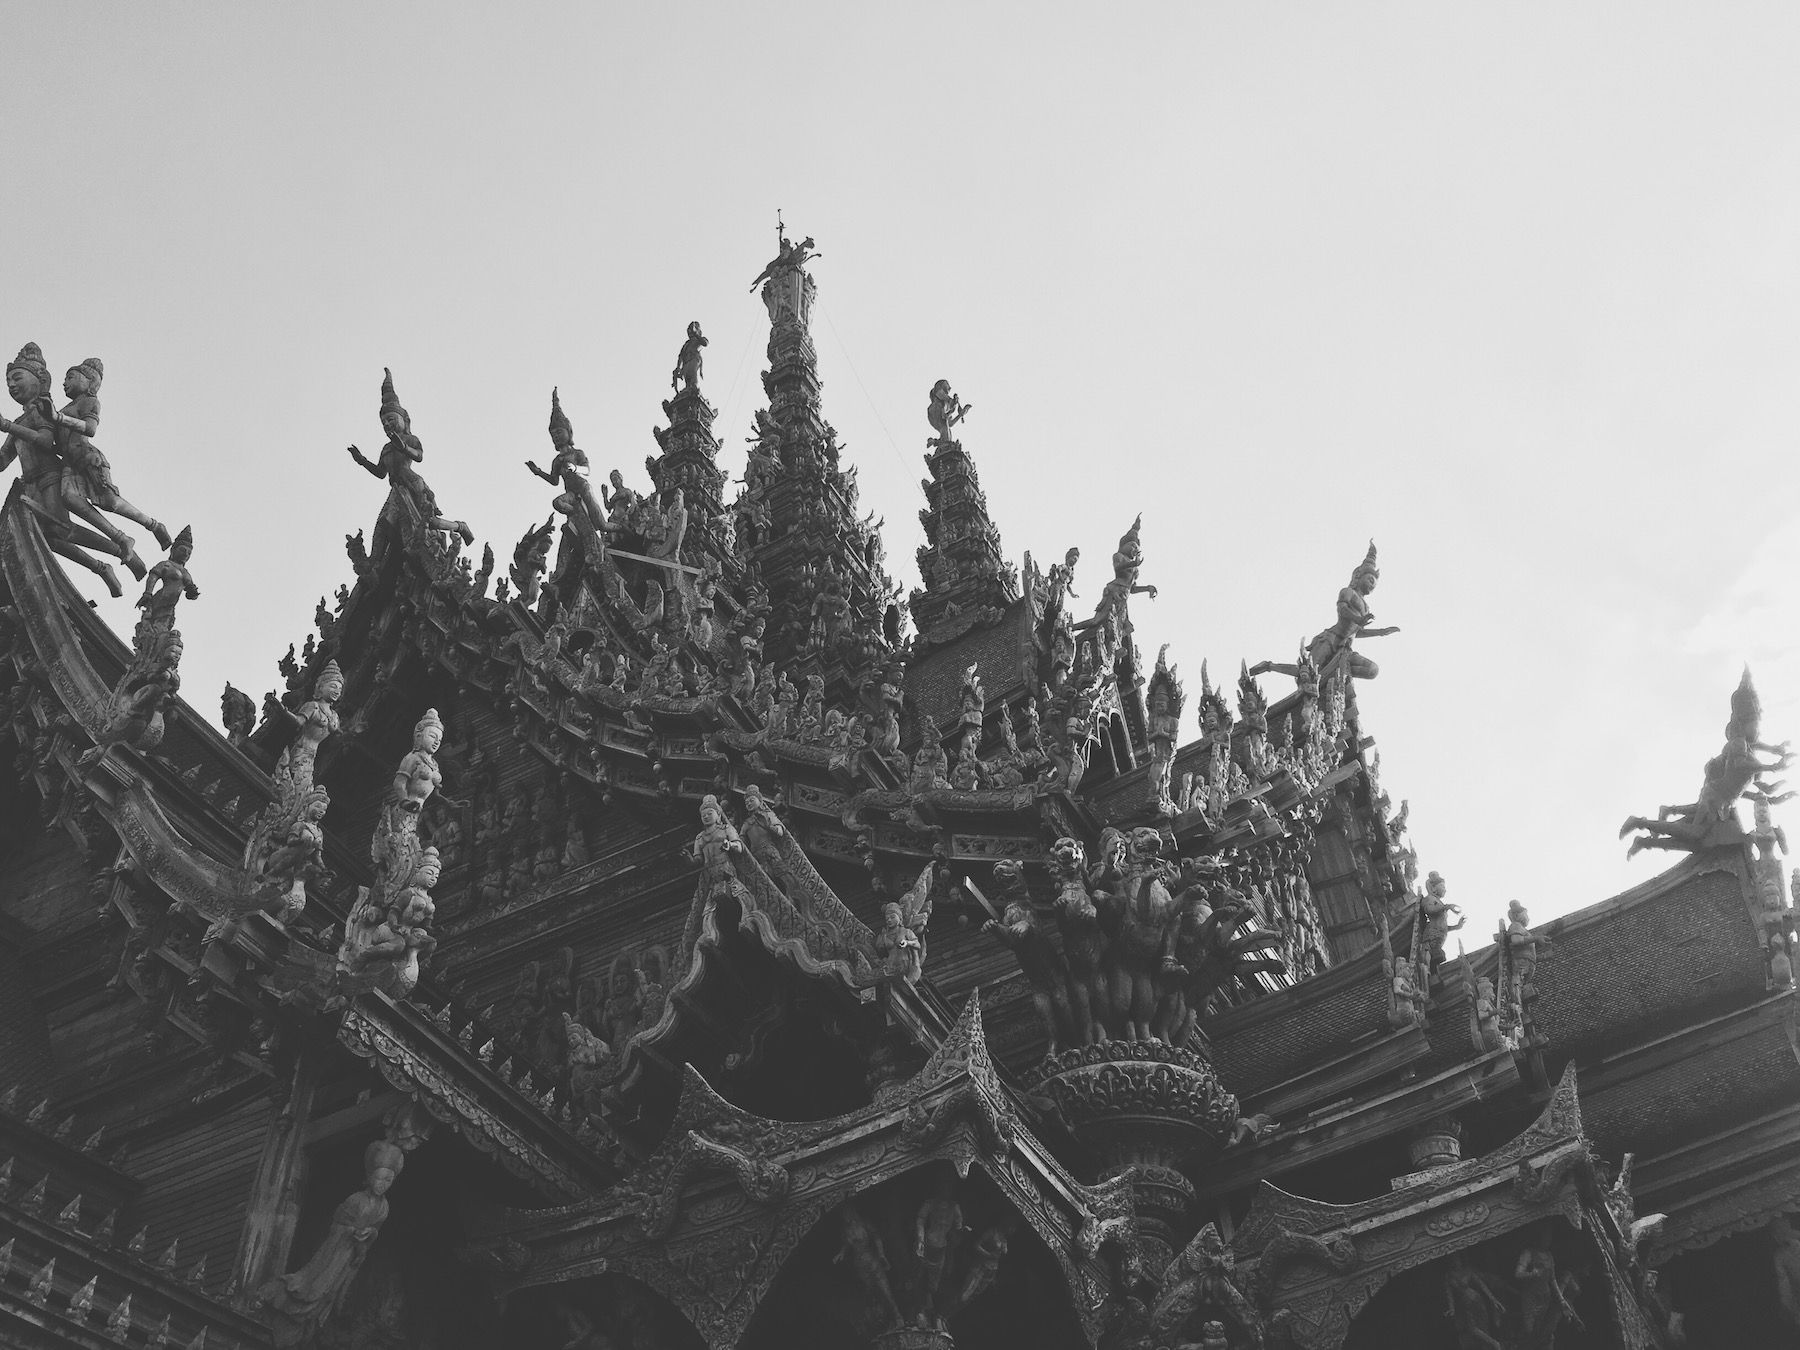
(398, 458)
(31, 438)
(308, 1298)
(418, 775)
(87, 482)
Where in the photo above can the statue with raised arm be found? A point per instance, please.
(783, 281)
(1712, 818)
(568, 470)
(1044, 970)
(688, 361)
(1353, 619)
(944, 412)
(1127, 559)
(31, 438)
(398, 459)
(1435, 912)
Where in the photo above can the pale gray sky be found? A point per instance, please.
(1514, 289)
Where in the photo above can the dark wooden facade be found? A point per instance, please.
(651, 1092)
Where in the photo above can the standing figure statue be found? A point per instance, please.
(32, 439)
(1435, 912)
(167, 582)
(688, 361)
(901, 941)
(568, 470)
(395, 463)
(308, 1298)
(944, 412)
(716, 841)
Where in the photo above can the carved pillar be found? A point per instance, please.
(273, 1208)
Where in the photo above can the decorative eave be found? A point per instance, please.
(1321, 1263)
(714, 1212)
(422, 1058)
(1370, 1117)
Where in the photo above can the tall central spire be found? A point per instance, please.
(798, 526)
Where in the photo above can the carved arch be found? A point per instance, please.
(810, 1286)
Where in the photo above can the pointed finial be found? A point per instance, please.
(66, 1128)
(138, 1241)
(199, 1341)
(39, 1289)
(9, 1102)
(70, 1215)
(559, 421)
(104, 1233)
(81, 1302)
(196, 1275)
(118, 1326)
(92, 1142)
(39, 1113)
(32, 1202)
(170, 1255)
(159, 1339)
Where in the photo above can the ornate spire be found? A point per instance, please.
(797, 521)
(688, 461)
(962, 566)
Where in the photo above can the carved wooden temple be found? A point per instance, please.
(681, 942)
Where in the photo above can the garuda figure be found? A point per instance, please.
(1144, 943)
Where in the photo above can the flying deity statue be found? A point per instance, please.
(58, 462)
(87, 485)
(398, 457)
(1711, 819)
(1353, 619)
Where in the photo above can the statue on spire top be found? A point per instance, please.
(783, 281)
(943, 412)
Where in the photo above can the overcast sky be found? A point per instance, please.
(1513, 289)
